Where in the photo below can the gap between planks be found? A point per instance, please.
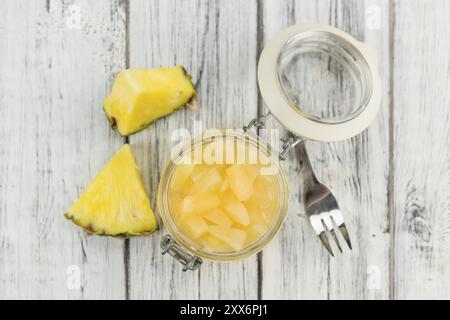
(126, 140)
(391, 169)
(259, 112)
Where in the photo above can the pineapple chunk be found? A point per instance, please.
(235, 201)
(211, 181)
(237, 212)
(180, 176)
(239, 182)
(234, 237)
(208, 180)
(266, 193)
(224, 187)
(140, 96)
(175, 203)
(195, 226)
(228, 196)
(255, 232)
(252, 171)
(199, 203)
(212, 243)
(115, 203)
(256, 214)
(190, 188)
(217, 216)
(199, 171)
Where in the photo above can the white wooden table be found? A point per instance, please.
(57, 62)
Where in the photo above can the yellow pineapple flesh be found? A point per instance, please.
(115, 203)
(141, 96)
(227, 206)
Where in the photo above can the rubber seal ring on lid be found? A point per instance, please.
(290, 117)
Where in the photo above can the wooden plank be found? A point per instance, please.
(217, 44)
(422, 156)
(55, 71)
(295, 265)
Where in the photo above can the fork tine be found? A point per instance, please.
(326, 244)
(319, 229)
(344, 232)
(316, 224)
(338, 219)
(336, 240)
(328, 224)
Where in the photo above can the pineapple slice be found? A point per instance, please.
(115, 203)
(240, 182)
(140, 96)
(199, 203)
(217, 216)
(234, 237)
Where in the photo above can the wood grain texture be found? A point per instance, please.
(421, 140)
(217, 44)
(392, 181)
(54, 138)
(295, 265)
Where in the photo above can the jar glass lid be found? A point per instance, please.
(319, 82)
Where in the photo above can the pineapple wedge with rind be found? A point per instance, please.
(141, 96)
(115, 203)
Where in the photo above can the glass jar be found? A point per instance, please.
(299, 67)
(319, 82)
(179, 244)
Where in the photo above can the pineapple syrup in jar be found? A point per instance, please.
(224, 194)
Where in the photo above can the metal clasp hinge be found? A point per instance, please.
(258, 122)
(189, 261)
(289, 142)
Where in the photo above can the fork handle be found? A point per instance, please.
(313, 191)
(306, 162)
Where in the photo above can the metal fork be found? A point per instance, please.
(321, 207)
